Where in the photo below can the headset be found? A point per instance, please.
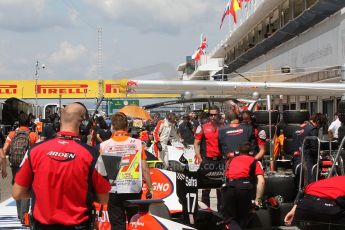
(87, 117)
(86, 121)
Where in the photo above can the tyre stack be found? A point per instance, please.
(262, 122)
(292, 123)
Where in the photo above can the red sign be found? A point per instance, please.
(8, 89)
(112, 88)
(62, 89)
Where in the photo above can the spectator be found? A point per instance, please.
(50, 128)
(103, 133)
(153, 123)
(333, 128)
(203, 118)
(39, 125)
(17, 143)
(194, 120)
(3, 160)
(64, 176)
(164, 133)
(185, 130)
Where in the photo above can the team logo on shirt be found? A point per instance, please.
(59, 156)
(198, 130)
(234, 132)
(300, 132)
(262, 135)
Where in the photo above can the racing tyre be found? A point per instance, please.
(341, 106)
(291, 130)
(279, 213)
(281, 184)
(260, 219)
(207, 220)
(289, 148)
(262, 117)
(295, 116)
(268, 145)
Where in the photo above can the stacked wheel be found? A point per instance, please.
(295, 116)
(281, 184)
(262, 119)
(292, 126)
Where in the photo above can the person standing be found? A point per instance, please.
(122, 146)
(103, 132)
(50, 129)
(242, 171)
(63, 176)
(322, 202)
(164, 133)
(206, 137)
(333, 128)
(234, 134)
(3, 160)
(16, 145)
(194, 120)
(186, 131)
(308, 129)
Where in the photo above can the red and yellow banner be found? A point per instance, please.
(46, 89)
(49, 89)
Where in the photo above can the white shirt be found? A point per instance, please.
(334, 127)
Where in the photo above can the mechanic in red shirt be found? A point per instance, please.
(207, 152)
(322, 202)
(64, 177)
(242, 171)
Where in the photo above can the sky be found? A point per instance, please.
(140, 39)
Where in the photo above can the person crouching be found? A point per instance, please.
(242, 171)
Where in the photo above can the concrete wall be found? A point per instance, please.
(320, 47)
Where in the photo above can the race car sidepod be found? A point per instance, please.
(145, 220)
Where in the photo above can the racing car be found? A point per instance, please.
(175, 202)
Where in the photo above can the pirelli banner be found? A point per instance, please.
(44, 89)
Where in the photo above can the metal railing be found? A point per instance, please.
(340, 148)
(302, 159)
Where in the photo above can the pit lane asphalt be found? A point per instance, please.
(5, 185)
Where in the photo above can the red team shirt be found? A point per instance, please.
(240, 167)
(332, 188)
(63, 199)
(211, 135)
(260, 136)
